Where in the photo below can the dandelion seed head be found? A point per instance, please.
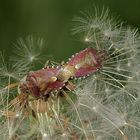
(9, 74)
(44, 135)
(118, 68)
(129, 64)
(17, 114)
(29, 51)
(111, 37)
(9, 70)
(87, 39)
(64, 135)
(102, 105)
(94, 108)
(111, 92)
(107, 90)
(31, 58)
(107, 33)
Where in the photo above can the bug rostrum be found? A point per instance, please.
(47, 80)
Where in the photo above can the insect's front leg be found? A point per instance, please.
(70, 86)
(10, 86)
(50, 63)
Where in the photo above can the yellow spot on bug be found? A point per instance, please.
(53, 79)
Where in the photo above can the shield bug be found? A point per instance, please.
(43, 82)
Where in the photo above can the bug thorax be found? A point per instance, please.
(66, 72)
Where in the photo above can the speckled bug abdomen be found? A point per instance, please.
(86, 62)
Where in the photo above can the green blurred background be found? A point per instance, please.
(52, 20)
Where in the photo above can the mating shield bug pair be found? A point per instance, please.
(47, 80)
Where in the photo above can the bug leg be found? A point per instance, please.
(10, 86)
(13, 85)
(70, 86)
(50, 63)
(47, 63)
(62, 63)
